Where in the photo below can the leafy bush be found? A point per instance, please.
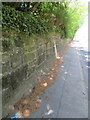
(21, 21)
(62, 17)
(69, 14)
(72, 17)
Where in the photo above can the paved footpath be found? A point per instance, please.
(68, 97)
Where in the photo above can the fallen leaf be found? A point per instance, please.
(39, 100)
(52, 69)
(25, 101)
(45, 84)
(37, 105)
(39, 79)
(48, 74)
(51, 78)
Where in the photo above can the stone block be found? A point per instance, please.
(6, 68)
(18, 76)
(29, 56)
(16, 59)
(50, 52)
(29, 48)
(6, 95)
(32, 67)
(41, 58)
(6, 62)
(6, 81)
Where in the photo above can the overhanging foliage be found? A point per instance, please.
(43, 17)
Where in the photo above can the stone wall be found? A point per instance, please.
(23, 58)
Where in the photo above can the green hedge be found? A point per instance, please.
(21, 21)
(70, 15)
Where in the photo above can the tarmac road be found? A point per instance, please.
(68, 97)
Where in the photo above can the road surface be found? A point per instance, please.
(68, 97)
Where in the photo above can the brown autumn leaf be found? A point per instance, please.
(48, 74)
(45, 84)
(39, 79)
(52, 69)
(51, 78)
(37, 105)
(39, 100)
(25, 101)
